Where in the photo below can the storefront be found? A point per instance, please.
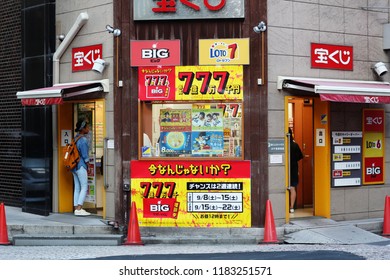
(73, 101)
(340, 126)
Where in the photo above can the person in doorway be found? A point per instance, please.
(80, 173)
(295, 156)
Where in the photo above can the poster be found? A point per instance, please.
(192, 193)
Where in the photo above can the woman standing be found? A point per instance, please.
(80, 173)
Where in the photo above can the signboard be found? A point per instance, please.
(41, 101)
(155, 53)
(373, 143)
(83, 58)
(190, 83)
(224, 51)
(209, 83)
(346, 158)
(187, 9)
(192, 194)
(331, 57)
(156, 83)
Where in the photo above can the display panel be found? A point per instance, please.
(192, 130)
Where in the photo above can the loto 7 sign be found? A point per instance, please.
(331, 57)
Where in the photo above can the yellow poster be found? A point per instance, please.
(184, 194)
(373, 144)
(209, 83)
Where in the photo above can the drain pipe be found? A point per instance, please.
(79, 23)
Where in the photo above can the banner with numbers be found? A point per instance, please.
(192, 193)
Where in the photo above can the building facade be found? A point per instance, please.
(254, 72)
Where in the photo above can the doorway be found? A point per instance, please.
(300, 121)
(94, 112)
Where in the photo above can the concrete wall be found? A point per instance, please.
(292, 26)
(93, 32)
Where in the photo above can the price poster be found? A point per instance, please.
(346, 158)
(192, 193)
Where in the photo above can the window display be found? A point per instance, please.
(192, 130)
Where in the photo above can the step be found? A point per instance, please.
(67, 240)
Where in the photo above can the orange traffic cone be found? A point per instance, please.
(3, 227)
(133, 233)
(386, 218)
(269, 227)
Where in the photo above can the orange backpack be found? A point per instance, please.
(71, 156)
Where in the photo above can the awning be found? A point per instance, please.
(63, 92)
(339, 90)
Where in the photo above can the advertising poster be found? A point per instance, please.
(346, 158)
(175, 143)
(192, 194)
(209, 143)
(373, 146)
(209, 82)
(156, 83)
(91, 192)
(207, 118)
(175, 119)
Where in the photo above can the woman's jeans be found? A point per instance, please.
(80, 178)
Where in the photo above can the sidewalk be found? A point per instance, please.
(66, 229)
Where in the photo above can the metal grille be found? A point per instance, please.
(10, 108)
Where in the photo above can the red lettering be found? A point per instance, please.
(214, 8)
(165, 6)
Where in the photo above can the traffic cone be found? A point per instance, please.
(269, 227)
(3, 227)
(133, 233)
(386, 218)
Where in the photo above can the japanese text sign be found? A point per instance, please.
(156, 83)
(192, 194)
(374, 120)
(373, 146)
(187, 9)
(331, 57)
(155, 53)
(83, 58)
(224, 51)
(209, 83)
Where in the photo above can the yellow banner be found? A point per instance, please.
(209, 83)
(373, 144)
(192, 202)
(224, 51)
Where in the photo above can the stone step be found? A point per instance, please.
(67, 240)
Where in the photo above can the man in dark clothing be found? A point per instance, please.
(295, 156)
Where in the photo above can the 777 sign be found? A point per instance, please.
(209, 82)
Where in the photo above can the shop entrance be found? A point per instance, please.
(300, 121)
(68, 115)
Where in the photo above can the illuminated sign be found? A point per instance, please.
(224, 51)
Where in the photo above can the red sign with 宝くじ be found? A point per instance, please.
(331, 57)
